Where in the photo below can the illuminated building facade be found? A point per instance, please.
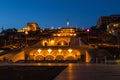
(30, 27)
(113, 28)
(62, 45)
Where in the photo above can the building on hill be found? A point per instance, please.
(106, 20)
(114, 29)
(61, 45)
(30, 27)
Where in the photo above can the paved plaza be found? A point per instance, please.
(82, 71)
(90, 72)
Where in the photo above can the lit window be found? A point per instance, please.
(58, 34)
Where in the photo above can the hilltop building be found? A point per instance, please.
(106, 20)
(61, 45)
(30, 27)
(114, 29)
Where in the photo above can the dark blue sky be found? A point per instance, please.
(47, 13)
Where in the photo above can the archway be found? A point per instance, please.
(54, 52)
(44, 53)
(64, 52)
(49, 57)
(59, 57)
(39, 57)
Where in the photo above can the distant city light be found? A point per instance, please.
(59, 27)
(52, 27)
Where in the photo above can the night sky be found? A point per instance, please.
(54, 13)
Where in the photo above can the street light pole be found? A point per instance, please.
(88, 36)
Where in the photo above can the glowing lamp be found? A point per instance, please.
(39, 50)
(88, 30)
(49, 50)
(59, 50)
(69, 50)
(26, 32)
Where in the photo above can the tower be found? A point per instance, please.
(68, 23)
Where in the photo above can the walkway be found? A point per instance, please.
(90, 72)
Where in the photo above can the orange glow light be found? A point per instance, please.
(59, 50)
(49, 50)
(69, 50)
(39, 50)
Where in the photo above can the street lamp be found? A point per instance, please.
(59, 50)
(39, 50)
(69, 50)
(88, 30)
(49, 50)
